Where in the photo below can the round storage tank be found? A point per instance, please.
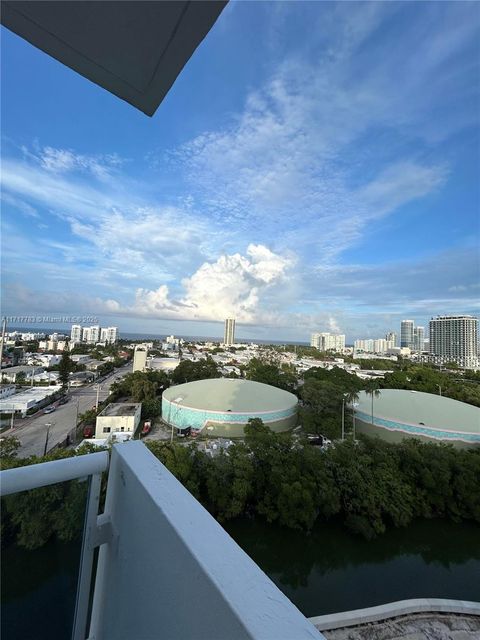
(398, 413)
(223, 406)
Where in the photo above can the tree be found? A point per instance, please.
(188, 371)
(9, 447)
(267, 371)
(372, 389)
(65, 367)
(351, 398)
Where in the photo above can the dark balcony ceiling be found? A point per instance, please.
(134, 49)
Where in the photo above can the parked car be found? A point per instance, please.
(63, 400)
(49, 410)
(147, 426)
(88, 431)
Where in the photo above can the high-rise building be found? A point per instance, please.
(392, 338)
(76, 333)
(108, 334)
(455, 339)
(328, 341)
(418, 339)
(140, 358)
(406, 334)
(229, 334)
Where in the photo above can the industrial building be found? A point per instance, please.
(121, 417)
(223, 406)
(398, 414)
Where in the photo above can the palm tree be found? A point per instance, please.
(371, 389)
(351, 398)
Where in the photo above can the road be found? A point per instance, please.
(32, 431)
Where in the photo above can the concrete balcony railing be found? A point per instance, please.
(166, 569)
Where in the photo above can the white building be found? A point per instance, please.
(229, 333)
(328, 341)
(392, 338)
(140, 358)
(119, 417)
(418, 339)
(76, 333)
(91, 335)
(406, 334)
(109, 335)
(27, 399)
(455, 339)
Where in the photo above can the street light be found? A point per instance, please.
(98, 392)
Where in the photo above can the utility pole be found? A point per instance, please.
(33, 373)
(76, 422)
(48, 425)
(98, 392)
(343, 419)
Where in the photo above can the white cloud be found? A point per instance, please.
(65, 160)
(232, 285)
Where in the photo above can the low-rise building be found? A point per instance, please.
(27, 399)
(122, 417)
(80, 358)
(12, 373)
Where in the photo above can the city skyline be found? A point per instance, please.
(287, 202)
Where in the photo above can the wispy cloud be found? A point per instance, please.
(343, 129)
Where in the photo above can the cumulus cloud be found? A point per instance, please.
(233, 285)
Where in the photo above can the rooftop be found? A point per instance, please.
(120, 409)
(229, 394)
(414, 407)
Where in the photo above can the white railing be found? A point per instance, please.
(90, 466)
(165, 567)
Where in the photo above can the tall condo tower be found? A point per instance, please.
(418, 338)
(406, 334)
(455, 339)
(229, 334)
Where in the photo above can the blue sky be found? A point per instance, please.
(314, 167)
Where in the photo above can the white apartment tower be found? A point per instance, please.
(328, 341)
(392, 338)
(229, 334)
(76, 333)
(455, 339)
(108, 335)
(418, 338)
(406, 334)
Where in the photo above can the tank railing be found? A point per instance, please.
(97, 529)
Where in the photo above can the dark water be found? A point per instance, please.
(327, 571)
(332, 570)
(38, 591)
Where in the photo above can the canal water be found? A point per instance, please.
(332, 570)
(327, 571)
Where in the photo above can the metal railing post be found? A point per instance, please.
(86, 559)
